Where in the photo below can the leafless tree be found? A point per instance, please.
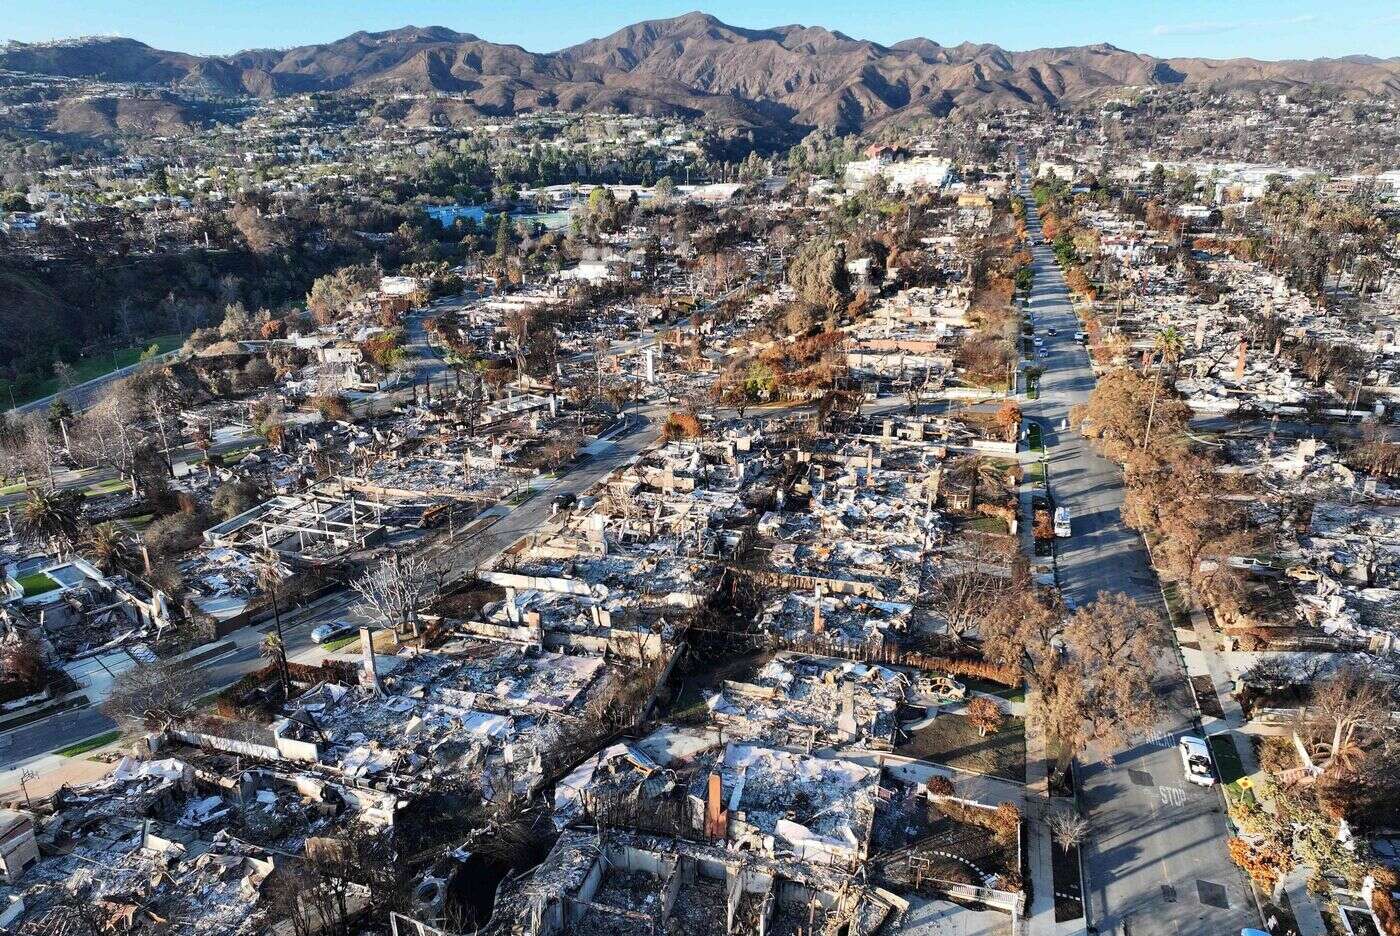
(25, 449)
(1068, 828)
(395, 591)
(155, 695)
(980, 577)
(311, 896)
(105, 436)
(1350, 700)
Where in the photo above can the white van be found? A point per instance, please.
(1196, 762)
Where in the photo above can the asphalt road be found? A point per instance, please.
(1155, 861)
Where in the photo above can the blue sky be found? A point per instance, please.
(1221, 28)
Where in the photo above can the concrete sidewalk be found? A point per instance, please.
(49, 772)
(941, 918)
(1040, 916)
(1207, 659)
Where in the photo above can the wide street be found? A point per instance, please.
(1155, 861)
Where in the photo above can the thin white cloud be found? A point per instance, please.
(1214, 27)
(1193, 29)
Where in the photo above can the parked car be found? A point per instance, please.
(1051, 332)
(334, 630)
(1081, 337)
(1196, 761)
(564, 501)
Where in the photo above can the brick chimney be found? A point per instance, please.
(716, 816)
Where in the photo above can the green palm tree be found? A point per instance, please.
(274, 651)
(1169, 346)
(1366, 272)
(52, 514)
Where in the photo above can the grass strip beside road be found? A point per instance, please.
(110, 486)
(91, 744)
(100, 365)
(1176, 607)
(340, 643)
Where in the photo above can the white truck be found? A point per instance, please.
(1196, 761)
(1062, 522)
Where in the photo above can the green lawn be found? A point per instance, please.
(110, 486)
(1033, 440)
(977, 684)
(1035, 472)
(340, 643)
(515, 500)
(90, 368)
(91, 744)
(233, 455)
(1227, 758)
(988, 525)
(37, 584)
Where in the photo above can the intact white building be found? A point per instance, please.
(1063, 171)
(902, 175)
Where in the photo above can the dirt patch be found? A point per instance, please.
(700, 676)
(1069, 896)
(915, 844)
(1206, 698)
(953, 740)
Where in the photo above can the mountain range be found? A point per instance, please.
(786, 77)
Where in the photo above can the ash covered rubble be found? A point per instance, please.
(76, 610)
(1331, 581)
(481, 708)
(626, 883)
(915, 331)
(1253, 342)
(855, 538)
(303, 535)
(195, 842)
(813, 702)
(817, 809)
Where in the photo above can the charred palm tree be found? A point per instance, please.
(269, 569)
(108, 549)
